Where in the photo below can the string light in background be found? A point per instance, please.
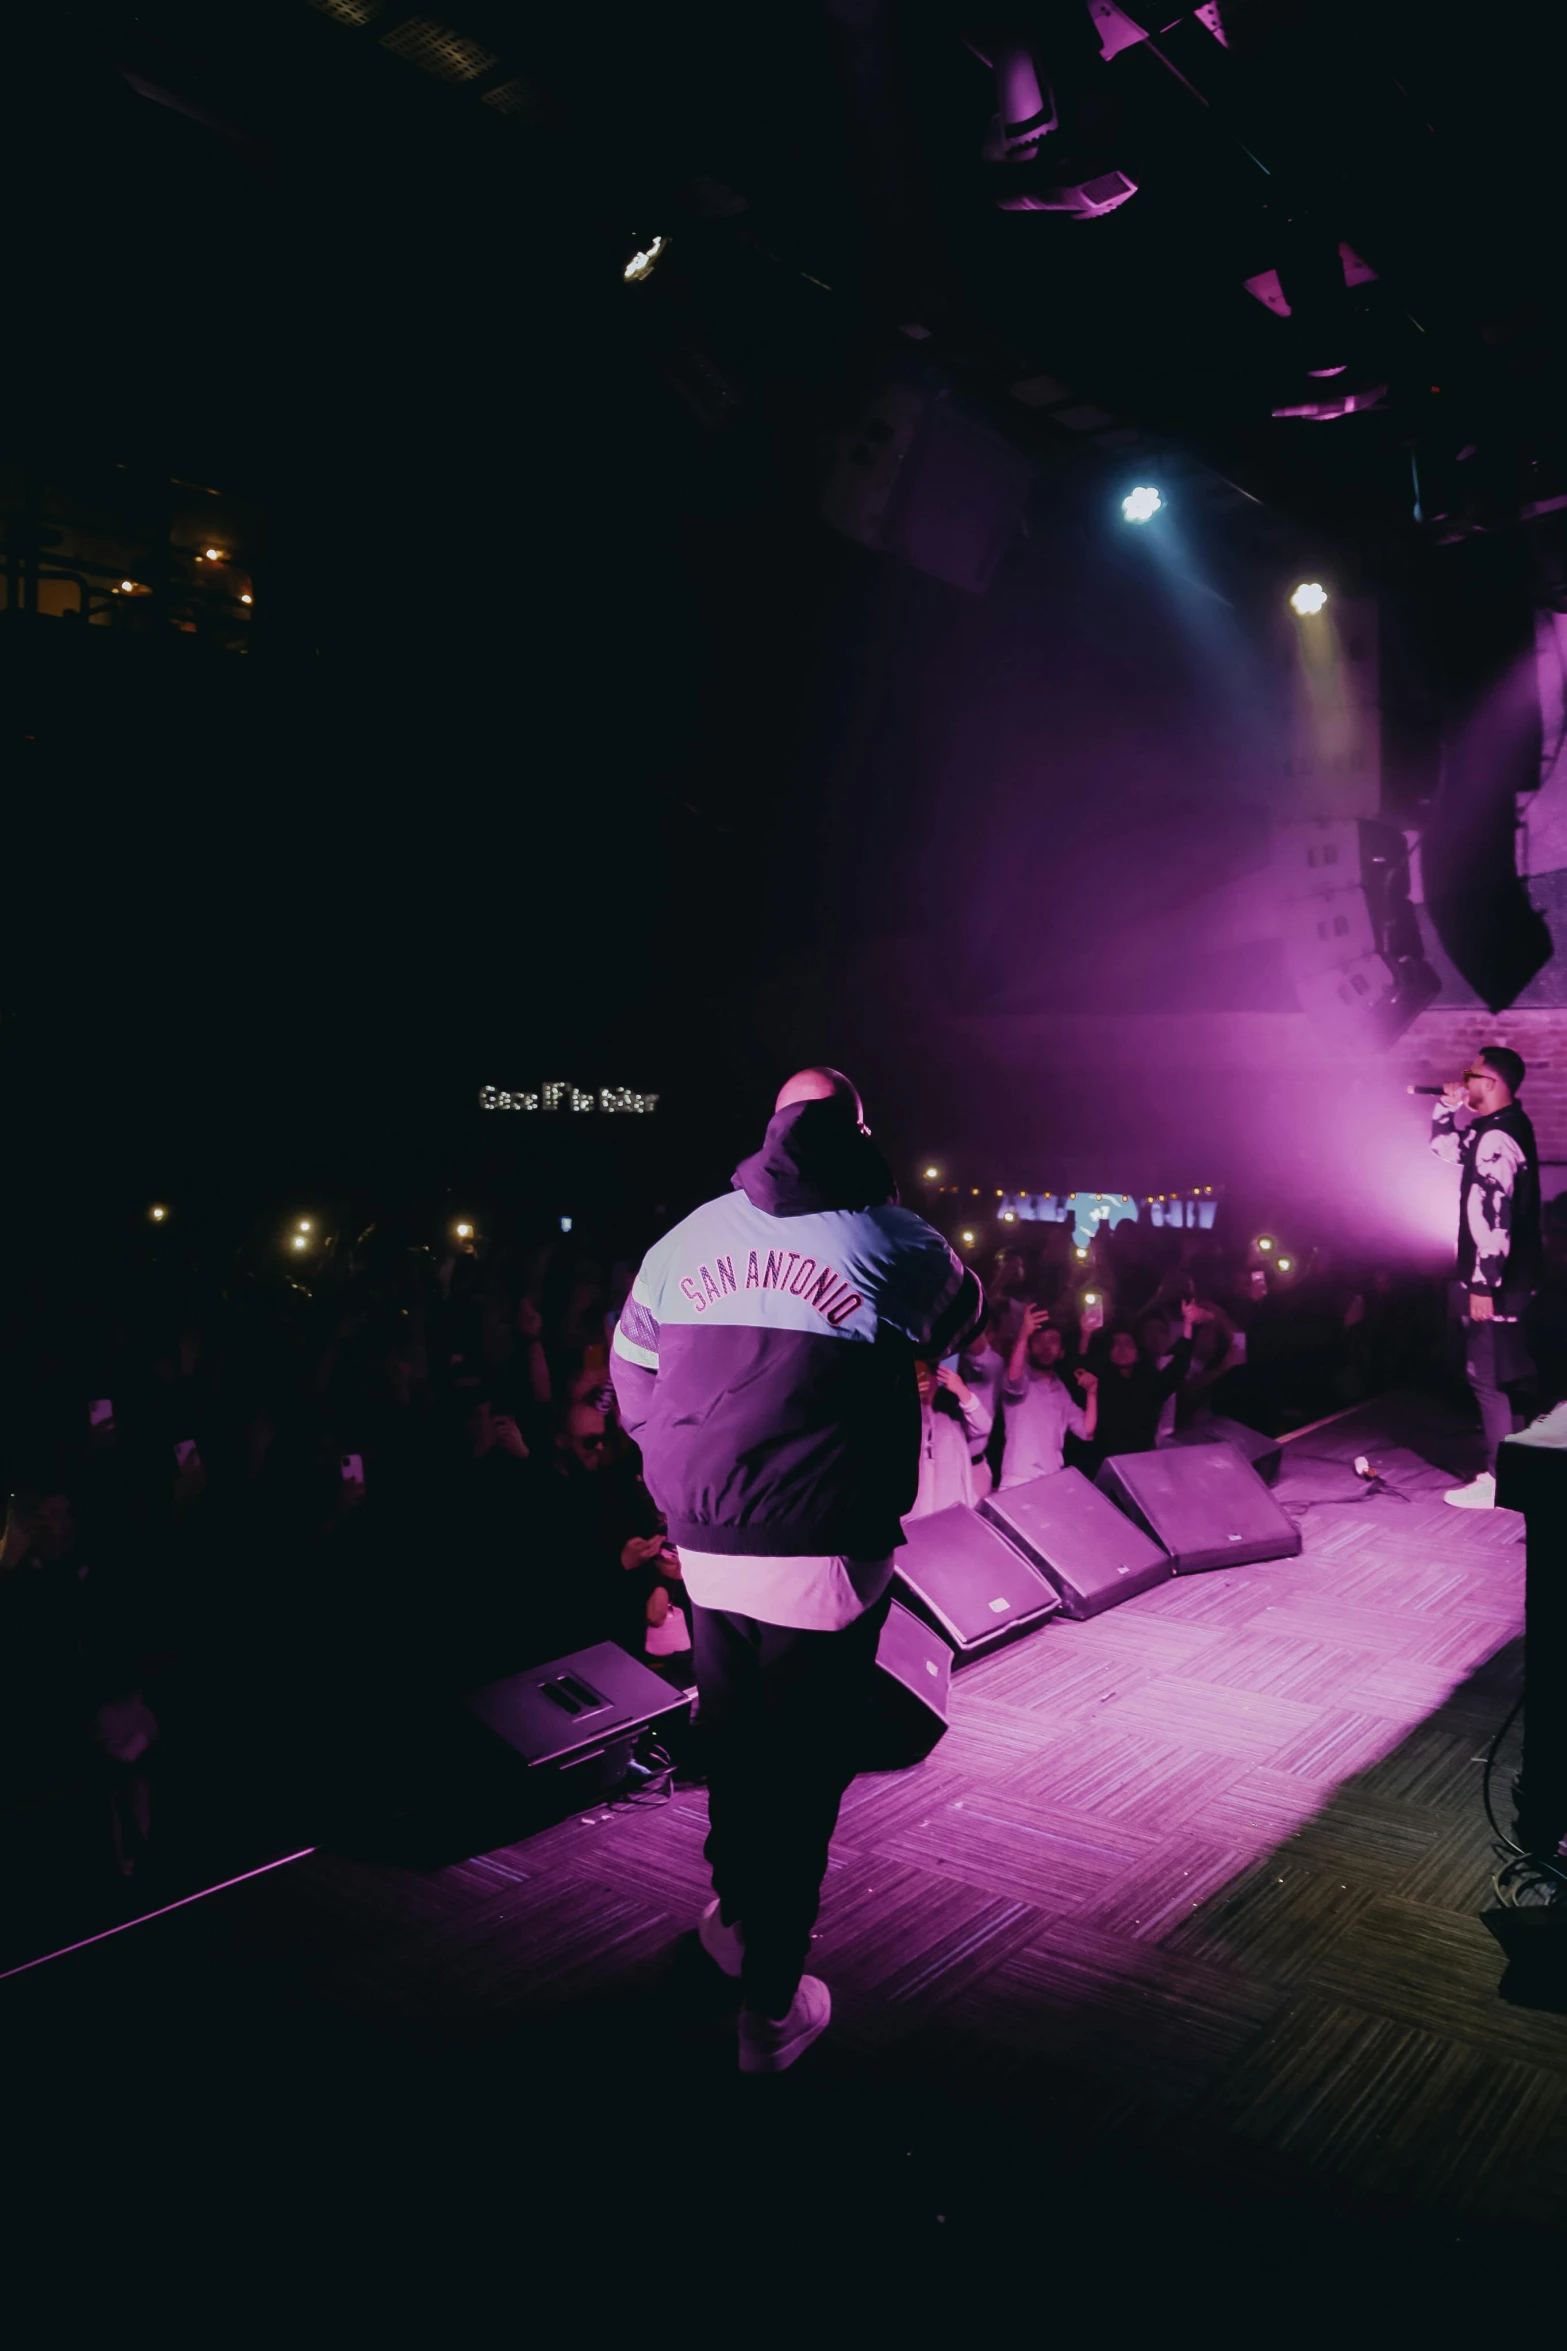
(159, 1215)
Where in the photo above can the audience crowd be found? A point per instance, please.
(238, 1490)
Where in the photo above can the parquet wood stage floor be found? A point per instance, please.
(1191, 1892)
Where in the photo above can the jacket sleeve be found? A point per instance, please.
(633, 1355)
(1445, 1134)
(1167, 1381)
(1498, 1158)
(935, 1300)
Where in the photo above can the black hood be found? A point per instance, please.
(814, 1158)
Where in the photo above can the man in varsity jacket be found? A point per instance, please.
(764, 1362)
(1479, 1127)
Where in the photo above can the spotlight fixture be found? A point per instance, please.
(641, 265)
(300, 1242)
(1308, 598)
(1053, 143)
(304, 1224)
(158, 1215)
(465, 1232)
(246, 597)
(967, 1240)
(1141, 504)
(214, 554)
(931, 1174)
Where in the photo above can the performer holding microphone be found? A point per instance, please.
(1479, 1128)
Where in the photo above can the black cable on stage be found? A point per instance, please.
(1518, 1862)
(1367, 1489)
(1491, 1754)
(657, 1766)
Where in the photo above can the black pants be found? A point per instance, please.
(1499, 1370)
(781, 1715)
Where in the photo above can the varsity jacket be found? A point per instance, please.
(764, 1360)
(1498, 1203)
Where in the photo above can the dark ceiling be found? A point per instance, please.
(1424, 139)
(366, 262)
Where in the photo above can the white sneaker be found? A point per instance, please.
(770, 2044)
(1479, 1494)
(725, 1946)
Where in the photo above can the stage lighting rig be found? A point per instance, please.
(1141, 504)
(1055, 142)
(1315, 285)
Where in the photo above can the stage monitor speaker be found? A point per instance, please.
(582, 1713)
(968, 1581)
(1090, 1552)
(908, 1704)
(1204, 1503)
(1266, 1454)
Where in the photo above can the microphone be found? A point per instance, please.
(1427, 1089)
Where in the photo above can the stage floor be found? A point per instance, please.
(1179, 1928)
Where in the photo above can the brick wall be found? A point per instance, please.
(1272, 1077)
(1440, 1041)
(1434, 1049)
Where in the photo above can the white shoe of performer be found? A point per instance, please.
(725, 1946)
(770, 2044)
(1479, 1494)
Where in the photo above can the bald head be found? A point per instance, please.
(822, 1085)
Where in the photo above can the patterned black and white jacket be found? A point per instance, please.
(1498, 1203)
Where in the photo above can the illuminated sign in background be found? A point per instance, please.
(576, 1099)
(1089, 1213)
